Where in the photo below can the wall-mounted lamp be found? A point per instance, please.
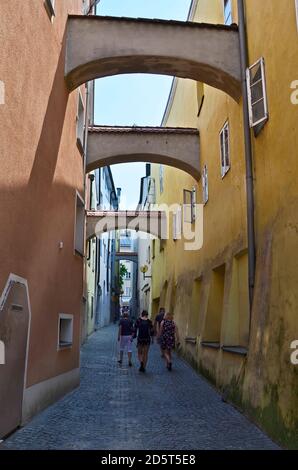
(143, 270)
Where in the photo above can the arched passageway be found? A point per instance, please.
(179, 147)
(103, 46)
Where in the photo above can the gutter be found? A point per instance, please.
(248, 156)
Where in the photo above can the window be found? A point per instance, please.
(161, 178)
(177, 220)
(93, 255)
(205, 185)
(257, 97)
(79, 225)
(65, 331)
(228, 12)
(225, 149)
(80, 124)
(127, 292)
(50, 7)
(128, 275)
(189, 205)
(153, 249)
(149, 254)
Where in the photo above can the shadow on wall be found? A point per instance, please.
(31, 235)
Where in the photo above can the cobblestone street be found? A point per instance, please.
(119, 408)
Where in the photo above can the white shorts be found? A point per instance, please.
(125, 343)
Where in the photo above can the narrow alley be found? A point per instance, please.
(119, 408)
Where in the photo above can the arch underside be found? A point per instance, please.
(181, 164)
(161, 65)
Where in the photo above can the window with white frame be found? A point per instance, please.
(227, 6)
(205, 185)
(79, 225)
(50, 7)
(80, 123)
(189, 205)
(65, 331)
(177, 221)
(257, 95)
(224, 138)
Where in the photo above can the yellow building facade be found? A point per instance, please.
(245, 352)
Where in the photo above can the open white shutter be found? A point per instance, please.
(257, 94)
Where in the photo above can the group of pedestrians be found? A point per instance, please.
(164, 329)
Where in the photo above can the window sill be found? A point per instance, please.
(17, 307)
(210, 344)
(191, 340)
(239, 350)
(65, 345)
(259, 127)
(224, 174)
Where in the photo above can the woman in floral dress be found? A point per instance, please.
(168, 335)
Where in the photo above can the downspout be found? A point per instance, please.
(86, 131)
(248, 156)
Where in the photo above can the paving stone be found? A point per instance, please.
(119, 408)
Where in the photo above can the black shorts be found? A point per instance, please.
(144, 342)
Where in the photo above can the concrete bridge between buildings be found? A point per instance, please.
(178, 147)
(126, 256)
(100, 46)
(151, 222)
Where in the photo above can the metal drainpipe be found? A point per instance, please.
(248, 156)
(86, 131)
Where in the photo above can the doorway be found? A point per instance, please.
(14, 329)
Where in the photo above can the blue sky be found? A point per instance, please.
(138, 99)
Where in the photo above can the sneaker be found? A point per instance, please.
(142, 368)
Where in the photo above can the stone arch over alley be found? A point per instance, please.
(102, 46)
(177, 147)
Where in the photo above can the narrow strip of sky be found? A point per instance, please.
(134, 99)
